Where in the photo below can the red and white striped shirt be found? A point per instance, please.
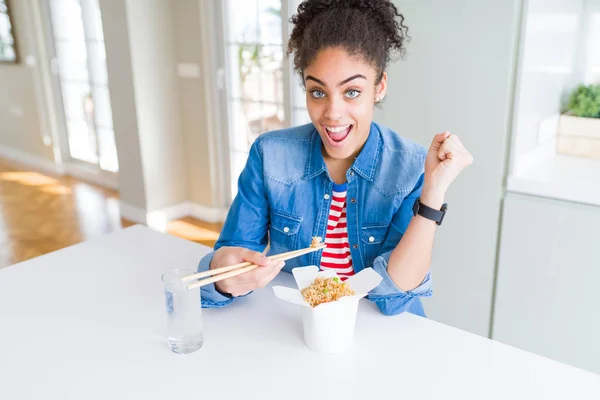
(336, 256)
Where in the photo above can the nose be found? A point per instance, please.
(335, 109)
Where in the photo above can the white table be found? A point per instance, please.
(87, 322)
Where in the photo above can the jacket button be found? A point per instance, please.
(326, 197)
(351, 173)
(286, 229)
(353, 200)
(371, 239)
(355, 246)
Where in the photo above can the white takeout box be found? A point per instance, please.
(329, 327)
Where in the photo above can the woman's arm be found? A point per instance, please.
(409, 262)
(243, 238)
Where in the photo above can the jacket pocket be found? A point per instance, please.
(373, 236)
(284, 231)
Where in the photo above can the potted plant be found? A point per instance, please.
(579, 127)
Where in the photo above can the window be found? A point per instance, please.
(8, 51)
(262, 92)
(81, 60)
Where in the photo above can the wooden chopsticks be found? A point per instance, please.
(237, 269)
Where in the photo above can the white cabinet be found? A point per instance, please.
(548, 284)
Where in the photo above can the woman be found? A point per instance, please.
(374, 197)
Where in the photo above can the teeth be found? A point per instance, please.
(337, 128)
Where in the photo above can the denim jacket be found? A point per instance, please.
(284, 195)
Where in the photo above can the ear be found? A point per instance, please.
(381, 89)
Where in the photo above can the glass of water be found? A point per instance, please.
(184, 313)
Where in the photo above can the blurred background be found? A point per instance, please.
(117, 112)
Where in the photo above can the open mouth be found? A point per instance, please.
(337, 134)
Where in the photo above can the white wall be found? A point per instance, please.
(547, 71)
(153, 60)
(458, 75)
(132, 189)
(145, 95)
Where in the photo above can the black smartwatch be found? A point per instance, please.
(428, 212)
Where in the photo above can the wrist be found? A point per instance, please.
(432, 198)
(220, 286)
(221, 290)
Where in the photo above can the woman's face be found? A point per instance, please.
(340, 95)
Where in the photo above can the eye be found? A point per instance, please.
(352, 93)
(317, 94)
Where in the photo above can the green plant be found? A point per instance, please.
(584, 101)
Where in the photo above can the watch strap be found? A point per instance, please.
(431, 213)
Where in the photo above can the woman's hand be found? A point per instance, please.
(446, 159)
(244, 283)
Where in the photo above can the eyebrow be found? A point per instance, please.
(320, 82)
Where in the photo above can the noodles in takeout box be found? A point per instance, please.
(324, 290)
(329, 305)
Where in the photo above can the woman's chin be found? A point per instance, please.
(339, 153)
